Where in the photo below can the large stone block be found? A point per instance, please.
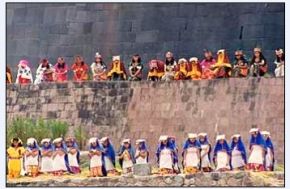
(142, 169)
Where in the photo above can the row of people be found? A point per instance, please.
(166, 70)
(60, 156)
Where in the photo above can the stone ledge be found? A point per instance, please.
(199, 179)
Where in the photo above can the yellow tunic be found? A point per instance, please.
(14, 163)
(182, 70)
(194, 73)
(116, 69)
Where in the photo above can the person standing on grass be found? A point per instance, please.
(32, 157)
(238, 153)
(60, 162)
(270, 158)
(222, 154)
(142, 153)
(109, 156)
(127, 156)
(205, 152)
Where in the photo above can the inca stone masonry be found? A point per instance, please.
(37, 30)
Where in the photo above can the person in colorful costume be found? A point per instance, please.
(60, 162)
(109, 156)
(142, 153)
(222, 154)
(238, 153)
(117, 69)
(259, 64)
(191, 154)
(169, 67)
(222, 68)
(24, 75)
(135, 68)
(80, 69)
(15, 162)
(240, 68)
(205, 152)
(165, 156)
(280, 63)
(258, 149)
(60, 70)
(44, 72)
(156, 70)
(46, 156)
(172, 142)
(270, 157)
(193, 69)
(8, 75)
(96, 155)
(205, 64)
(99, 68)
(126, 156)
(32, 157)
(73, 154)
(181, 69)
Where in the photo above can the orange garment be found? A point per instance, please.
(80, 72)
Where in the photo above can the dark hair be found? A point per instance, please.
(171, 62)
(45, 61)
(279, 59)
(17, 140)
(261, 58)
(61, 65)
(102, 63)
(138, 60)
(82, 62)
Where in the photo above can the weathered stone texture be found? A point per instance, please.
(149, 109)
(149, 29)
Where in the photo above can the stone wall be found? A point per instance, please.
(37, 30)
(149, 109)
(200, 179)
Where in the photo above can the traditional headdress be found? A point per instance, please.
(93, 139)
(257, 49)
(265, 133)
(127, 140)
(193, 59)
(253, 130)
(220, 137)
(45, 140)
(163, 137)
(23, 63)
(236, 136)
(57, 140)
(98, 55)
(116, 58)
(192, 135)
(31, 141)
(182, 60)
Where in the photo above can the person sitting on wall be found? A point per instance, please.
(44, 72)
(191, 154)
(169, 67)
(117, 70)
(241, 65)
(180, 69)
(258, 150)
(60, 70)
(222, 154)
(109, 156)
(238, 153)
(156, 70)
(270, 158)
(135, 68)
(24, 75)
(99, 68)
(259, 64)
(222, 68)
(80, 69)
(8, 75)
(280, 63)
(126, 156)
(205, 64)
(165, 156)
(142, 153)
(193, 69)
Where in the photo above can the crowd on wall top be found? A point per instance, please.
(210, 67)
(62, 156)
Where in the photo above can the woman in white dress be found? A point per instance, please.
(59, 157)
(142, 153)
(165, 156)
(191, 154)
(270, 158)
(99, 68)
(280, 63)
(96, 154)
(109, 156)
(46, 156)
(256, 161)
(31, 157)
(222, 154)
(44, 72)
(73, 154)
(126, 156)
(238, 153)
(205, 152)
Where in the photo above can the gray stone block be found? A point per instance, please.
(142, 169)
(147, 36)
